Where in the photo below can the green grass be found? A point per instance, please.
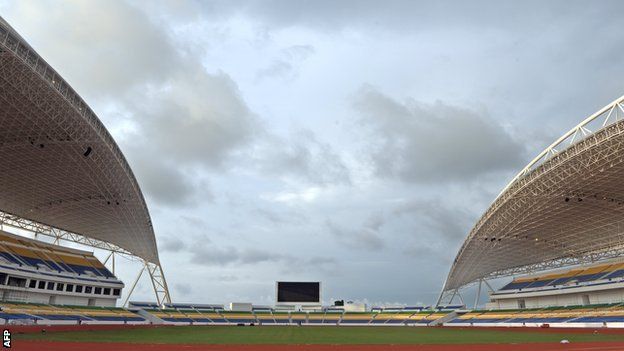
(315, 335)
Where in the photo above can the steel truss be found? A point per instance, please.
(157, 277)
(66, 169)
(566, 207)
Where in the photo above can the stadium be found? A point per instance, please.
(553, 233)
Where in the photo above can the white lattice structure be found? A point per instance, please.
(565, 207)
(63, 174)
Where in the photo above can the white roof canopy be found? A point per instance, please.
(60, 166)
(566, 207)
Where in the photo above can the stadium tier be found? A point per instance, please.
(597, 274)
(31, 254)
(574, 316)
(188, 314)
(44, 314)
(601, 283)
(38, 272)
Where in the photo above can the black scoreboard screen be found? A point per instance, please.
(302, 292)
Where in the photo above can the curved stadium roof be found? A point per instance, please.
(60, 166)
(566, 207)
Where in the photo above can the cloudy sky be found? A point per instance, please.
(350, 142)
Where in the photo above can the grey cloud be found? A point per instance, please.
(449, 222)
(435, 228)
(194, 221)
(172, 245)
(182, 114)
(279, 218)
(287, 65)
(277, 68)
(206, 254)
(102, 47)
(183, 289)
(418, 142)
(163, 182)
(299, 53)
(304, 157)
(326, 15)
(365, 238)
(227, 278)
(196, 118)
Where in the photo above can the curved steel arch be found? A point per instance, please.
(563, 208)
(63, 174)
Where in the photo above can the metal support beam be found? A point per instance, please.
(460, 297)
(107, 258)
(159, 283)
(488, 285)
(476, 302)
(125, 304)
(13, 221)
(440, 297)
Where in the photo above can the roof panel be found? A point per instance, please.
(565, 207)
(61, 167)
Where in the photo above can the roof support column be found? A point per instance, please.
(476, 302)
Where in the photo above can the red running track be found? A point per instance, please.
(71, 346)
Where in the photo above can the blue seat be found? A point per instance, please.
(515, 286)
(17, 316)
(62, 317)
(202, 320)
(241, 320)
(589, 277)
(615, 274)
(170, 319)
(10, 258)
(561, 281)
(485, 320)
(110, 318)
(103, 272)
(539, 283)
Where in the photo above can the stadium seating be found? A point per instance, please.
(598, 274)
(191, 314)
(357, 318)
(239, 317)
(23, 252)
(265, 317)
(55, 314)
(561, 316)
(281, 317)
(298, 317)
(332, 317)
(316, 317)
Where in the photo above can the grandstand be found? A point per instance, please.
(67, 180)
(573, 316)
(556, 227)
(33, 271)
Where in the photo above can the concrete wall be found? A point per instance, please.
(24, 295)
(558, 299)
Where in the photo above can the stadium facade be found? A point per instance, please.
(563, 209)
(66, 178)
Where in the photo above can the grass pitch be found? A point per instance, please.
(317, 335)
